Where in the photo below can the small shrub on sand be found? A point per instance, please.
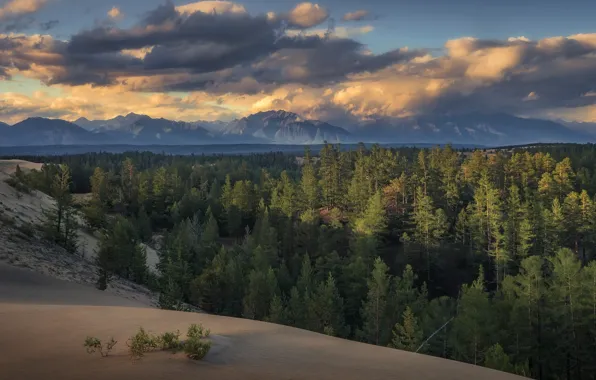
(195, 347)
(141, 343)
(170, 341)
(197, 331)
(93, 345)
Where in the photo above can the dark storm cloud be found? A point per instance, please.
(163, 30)
(207, 43)
(550, 73)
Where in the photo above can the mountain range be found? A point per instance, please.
(282, 127)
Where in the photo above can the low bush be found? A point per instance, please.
(171, 341)
(141, 343)
(93, 345)
(196, 349)
(195, 346)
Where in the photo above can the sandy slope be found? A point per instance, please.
(41, 335)
(28, 208)
(44, 320)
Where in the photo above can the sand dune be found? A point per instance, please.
(41, 335)
(28, 209)
(44, 321)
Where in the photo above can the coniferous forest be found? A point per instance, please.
(485, 257)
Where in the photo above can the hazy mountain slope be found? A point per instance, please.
(144, 130)
(117, 123)
(147, 130)
(286, 128)
(281, 127)
(41, 131)
(485, 129)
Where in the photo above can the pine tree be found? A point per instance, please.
(565, 298)
(262, 287)
(496, 358)
(296, 310)
(430, 225)
(563, 178)
(407, 335)
(327, 309)
(309, 187)
(360, 189)
(210, 230)
(375, 307)
(471, 333)
(528, 311)
(60, 224)
(277, 313)
(487, 221)
(373, 220)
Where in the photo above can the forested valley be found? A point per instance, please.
(482, 257)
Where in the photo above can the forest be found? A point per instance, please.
(483, 257)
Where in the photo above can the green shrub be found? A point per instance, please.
(170, 341)
(196, 349)
(197, 331)
(93, 345)
(141, 343)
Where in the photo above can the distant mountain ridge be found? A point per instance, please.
(473, 128)
(41, 131)
(282, 127)
(286, 127)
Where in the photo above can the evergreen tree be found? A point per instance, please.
(262, 287)
(430, 225)
(277, 313)
(374, 309)
(471, 333)
(60, 223)
(309, 187)
(327, 309)
(496, 358)
(487, 223)
(407, 335)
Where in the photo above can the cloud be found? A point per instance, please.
(358, 15)
(17, 8)
(171, 50)
(338, 32)
(115, 13)
(105, 103)
(219, 7)
(231, 63)
(307, 15)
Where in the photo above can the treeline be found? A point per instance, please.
(491, 256)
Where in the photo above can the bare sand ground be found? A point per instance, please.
(28, 209)
(41, 335)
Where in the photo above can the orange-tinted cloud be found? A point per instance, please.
(15, 8)
(231, 63)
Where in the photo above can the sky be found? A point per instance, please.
(342, 61)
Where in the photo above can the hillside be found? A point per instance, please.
(474, 128)
(27, 210)
(51, 300)
(285, 127)
(41, 131)
(44, 321)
